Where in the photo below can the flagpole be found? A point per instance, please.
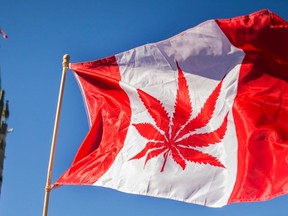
(65, 65)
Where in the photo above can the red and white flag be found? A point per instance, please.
(5, 36)
(200, 117)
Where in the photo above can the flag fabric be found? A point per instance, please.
(200, 117)
(5, 36)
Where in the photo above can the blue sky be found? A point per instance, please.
(40, 33)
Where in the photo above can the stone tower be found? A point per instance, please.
(4, 111)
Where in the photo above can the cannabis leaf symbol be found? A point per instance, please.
(173, 136)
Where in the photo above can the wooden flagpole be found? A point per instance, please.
(65, 63)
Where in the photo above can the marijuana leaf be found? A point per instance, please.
(173, 136)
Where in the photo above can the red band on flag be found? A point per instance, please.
(260, 107)
(109, 116)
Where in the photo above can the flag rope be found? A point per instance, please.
(65, 65)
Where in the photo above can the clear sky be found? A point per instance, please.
(40, 33)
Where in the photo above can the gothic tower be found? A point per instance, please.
(4, 111)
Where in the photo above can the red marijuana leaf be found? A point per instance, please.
(173, 137)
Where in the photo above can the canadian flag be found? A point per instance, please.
(200, 117)
(5, 36)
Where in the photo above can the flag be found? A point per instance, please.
(200, 117)
(5, 36)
